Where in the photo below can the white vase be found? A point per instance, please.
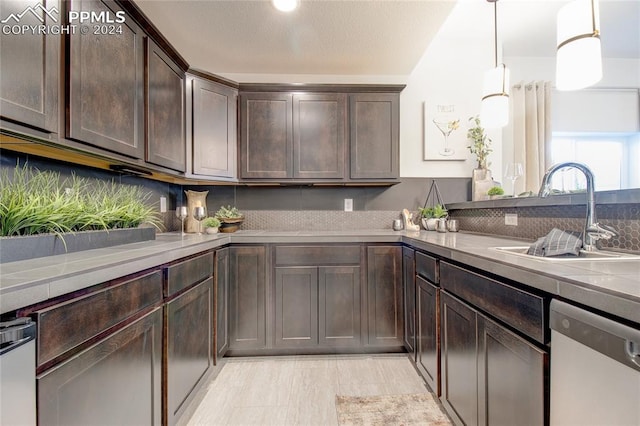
(429, 224)
(481, 181)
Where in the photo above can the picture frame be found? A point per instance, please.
(444, 132)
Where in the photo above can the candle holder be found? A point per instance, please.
(195, 199)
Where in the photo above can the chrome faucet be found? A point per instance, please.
(593, 231)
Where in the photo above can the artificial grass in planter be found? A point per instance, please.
(35, 202)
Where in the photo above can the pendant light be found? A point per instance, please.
(579, 55)
(494, 112)
(285, 5)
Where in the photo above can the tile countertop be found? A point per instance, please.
(609, 286)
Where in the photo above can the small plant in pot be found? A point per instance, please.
(495, 192)
(211, 225)
(430, 216)
(230, 218)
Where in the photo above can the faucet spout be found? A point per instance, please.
(592, 230)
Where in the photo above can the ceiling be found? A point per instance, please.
(364, 37)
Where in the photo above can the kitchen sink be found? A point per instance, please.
(583, 256)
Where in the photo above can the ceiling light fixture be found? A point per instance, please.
(494, 111)
(285, 5)
(579, 55)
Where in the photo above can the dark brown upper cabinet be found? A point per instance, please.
(293, 136)
(374, 135)
(319, 135)
(323, 133)
(214, 134)
(266, 136)
(106, 85)
(165, 110)
(29, 66)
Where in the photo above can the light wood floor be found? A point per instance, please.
(300, 390)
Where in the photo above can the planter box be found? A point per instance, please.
(34, 246)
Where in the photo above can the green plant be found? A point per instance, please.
(211, 222)
(39, 202)
(495, 190)
(228, 212)
(436, 212)
(480, 143)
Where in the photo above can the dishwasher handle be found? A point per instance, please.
(612, 339)
(633, 351)
(16, 333)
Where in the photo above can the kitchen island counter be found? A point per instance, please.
(609, 286)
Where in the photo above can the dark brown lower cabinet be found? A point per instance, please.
(296, 307)
(247, 297)
(189, 341)
(384, 296)
(222, 303)
(428, 333)
(409, 300)
(317, 306)
(459, 360)
(339, 320)
(115, 381)
(511, 377)
(490, 375)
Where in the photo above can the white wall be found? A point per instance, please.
(451, 73)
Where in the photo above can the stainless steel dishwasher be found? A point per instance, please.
(595, 369)
(18, 372)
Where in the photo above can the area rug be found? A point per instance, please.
(411, 409)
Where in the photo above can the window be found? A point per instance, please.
(614, 159)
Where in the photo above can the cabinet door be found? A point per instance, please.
(384, 298)
(374, 135)
(319, 135)
(266, 136)
(511, 374)
(106, 85)
(339, 306)
(165, 110)
(428, 333)
(409, 300)
(189, 355)
(29, 65)
(459, 360)
(296, 307)
(214, 129)
(247, 296)
(222, 302)
(116, 381)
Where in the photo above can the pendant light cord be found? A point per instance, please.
(495, 31)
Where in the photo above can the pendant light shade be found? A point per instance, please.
(494, 111)
(579, 56)
(285, 5)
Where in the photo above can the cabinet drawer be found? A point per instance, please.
(427, 267)
(185, 274)
(317, 255)
(520, 309)
(64, 326)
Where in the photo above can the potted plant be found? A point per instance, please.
(430, 216)
(211, 225)
(230, 218)
(495, 192)
(480, 145)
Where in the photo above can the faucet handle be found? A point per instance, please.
(598, 231)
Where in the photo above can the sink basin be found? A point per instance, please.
(583, 256)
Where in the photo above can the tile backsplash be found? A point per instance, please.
(535, 222)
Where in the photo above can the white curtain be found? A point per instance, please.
(531, 125)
